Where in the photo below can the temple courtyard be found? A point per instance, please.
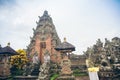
(49, 58)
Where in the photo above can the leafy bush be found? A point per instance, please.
(18, 62)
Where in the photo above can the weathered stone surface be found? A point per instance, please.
(65, 48)
(44, 71)
(25, 77)
(82, 78)
(44, 38)
(107, 57)
(66, 65)
(66, 78)
(45, 68)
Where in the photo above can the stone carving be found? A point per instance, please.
(107, 57)
(99, 43)
(44, 32)
(47, 57)
(44, 68)
(44, 72)
(65, 48)
(35, 58)
(107, 43)
(66, 64)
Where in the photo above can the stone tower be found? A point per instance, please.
(44, 39)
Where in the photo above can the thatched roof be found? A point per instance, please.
(65, 46)
(7, 50)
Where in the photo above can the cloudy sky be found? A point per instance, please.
(82, 22)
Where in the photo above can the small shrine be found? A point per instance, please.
(5, 54)
(65, 49)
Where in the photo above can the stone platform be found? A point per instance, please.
(25, 77)
(82, 78)
(43, 77)
(4, 78)
(66, 78)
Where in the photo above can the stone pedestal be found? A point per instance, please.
(66, 72)
(66, 64)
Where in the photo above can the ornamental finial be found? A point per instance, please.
(64, 39)
(8, 44)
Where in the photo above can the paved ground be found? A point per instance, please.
(82, 78)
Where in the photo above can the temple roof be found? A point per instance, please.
(7, 50)
(65, 46)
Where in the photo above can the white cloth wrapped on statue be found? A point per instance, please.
(35, 60)
(46, 58)
(93, 76)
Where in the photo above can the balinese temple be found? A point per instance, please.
(5, 54)
(44, 39)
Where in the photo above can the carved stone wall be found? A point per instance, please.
(44, 38)
(107, 57)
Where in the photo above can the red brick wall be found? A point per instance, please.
(49, 47)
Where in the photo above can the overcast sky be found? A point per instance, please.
(82, 22)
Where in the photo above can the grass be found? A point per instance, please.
(54, 76)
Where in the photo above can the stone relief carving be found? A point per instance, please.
(107, 55)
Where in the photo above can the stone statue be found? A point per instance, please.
(99, 43)
(35, 58)
(44, 72)
(44, 68)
